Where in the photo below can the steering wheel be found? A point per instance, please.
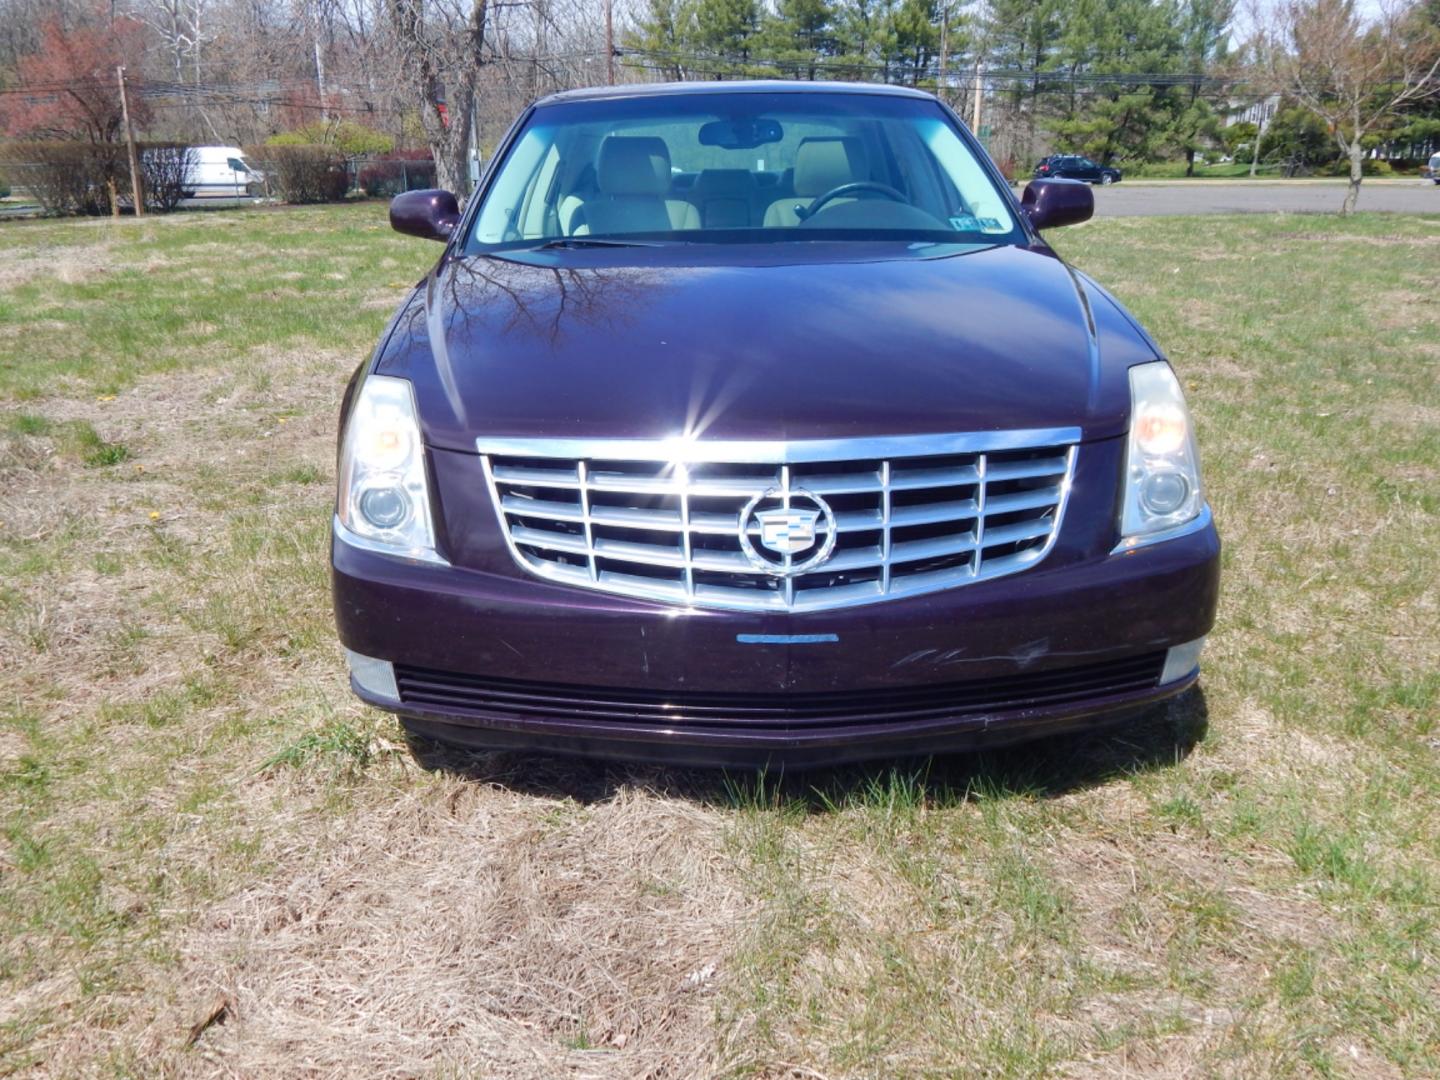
(851, 188)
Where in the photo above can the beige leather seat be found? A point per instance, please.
(822, 163)
(724, 198)
(633, 177)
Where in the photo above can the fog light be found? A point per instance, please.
(376, 677)
(1164, 492)
(385, 507)
(1181, 661)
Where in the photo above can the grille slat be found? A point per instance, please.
(1021, 500)
(911, 550)
(1020, 470)
(996, 535)
(543, 508)
(914, 479)
(662, 520)
(552, 541)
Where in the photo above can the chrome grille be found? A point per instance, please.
(661, 520)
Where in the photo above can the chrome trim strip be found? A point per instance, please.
(353, 539)
(680, 450)
(1199, 523)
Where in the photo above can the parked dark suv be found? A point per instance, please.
(1076, 167)
(756, 421)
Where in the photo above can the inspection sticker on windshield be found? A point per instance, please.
(965, 223)
(993, 225)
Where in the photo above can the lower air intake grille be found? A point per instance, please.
(422, 687)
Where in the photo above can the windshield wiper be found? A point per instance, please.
(590, 241)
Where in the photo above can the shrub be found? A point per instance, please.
(163, 167)
(386, 178)
(1368, 167)
(67, 176)
(303, 174)
(350, 138)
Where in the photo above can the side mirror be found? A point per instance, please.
(431, 215)
(1050, 203)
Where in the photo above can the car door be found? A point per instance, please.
(1085, 169)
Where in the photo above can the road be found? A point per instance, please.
(1157, 198)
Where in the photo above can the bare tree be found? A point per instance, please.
(183, 28)
(1351, 71)
(441, 50)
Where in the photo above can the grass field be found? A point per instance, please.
(214, 862)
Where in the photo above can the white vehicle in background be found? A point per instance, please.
(1433, 168)
(220, 171)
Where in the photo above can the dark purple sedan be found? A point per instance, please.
(756, 422)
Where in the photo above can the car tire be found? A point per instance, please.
(1107, 179)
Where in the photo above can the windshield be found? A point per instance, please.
(741, 168)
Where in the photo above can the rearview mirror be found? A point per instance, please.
(431, 214)
(1050, 203)
(742, 133)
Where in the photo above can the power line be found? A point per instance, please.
(957, 73)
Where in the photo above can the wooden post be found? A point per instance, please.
(136, 187)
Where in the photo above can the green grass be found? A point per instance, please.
(190, 801)
(193, 290)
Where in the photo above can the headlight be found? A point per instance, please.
(1162, 471)
(384, 501)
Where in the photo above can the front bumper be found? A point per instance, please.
(498, 659)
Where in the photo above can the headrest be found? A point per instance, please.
(724, 183)
(633, 166)
(823, 163)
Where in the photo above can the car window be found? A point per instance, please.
(236, 164)
(721, 167)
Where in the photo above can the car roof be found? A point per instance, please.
(750, 86)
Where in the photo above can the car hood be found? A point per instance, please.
(582, 345)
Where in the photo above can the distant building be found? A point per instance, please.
(1259, 113)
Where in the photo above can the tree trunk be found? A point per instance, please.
(448, 56)
(450, 143)
(1189, 161)
(1357, 173)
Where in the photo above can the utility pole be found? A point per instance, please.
(609, 42)
(944, 49)
(320, 80)
(136, 191)
(975, 107)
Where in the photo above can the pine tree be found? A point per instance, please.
(1204, 47)
(799, 36)
(727, 31)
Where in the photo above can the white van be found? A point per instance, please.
(220, 171)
